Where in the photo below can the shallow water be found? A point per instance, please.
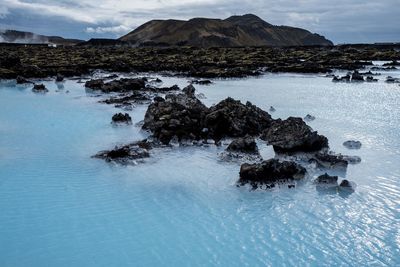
(59, 207)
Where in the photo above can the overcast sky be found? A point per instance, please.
(342, 21)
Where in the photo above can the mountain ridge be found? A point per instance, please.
(245, 30)
(14, 36)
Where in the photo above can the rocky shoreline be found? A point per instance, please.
(43, 62)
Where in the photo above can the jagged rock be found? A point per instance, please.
(179, 115)
(231, 118)
(126, 154)
(122, 118)
(270, 172)
(39, 88)
(292, 135)
(326, 179)
(245, 144)
(351, 144)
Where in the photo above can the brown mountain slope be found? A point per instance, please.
(246, 30)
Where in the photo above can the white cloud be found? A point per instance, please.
(115, 29)
(3, 12)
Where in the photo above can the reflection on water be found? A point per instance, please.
(59, 207)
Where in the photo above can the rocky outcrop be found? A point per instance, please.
(326, 179)
(179, 115)
(270, 172)
(39, 88)
(231, 118)
(293, 135)
(245, 144)
(128, 154)
(120, 118)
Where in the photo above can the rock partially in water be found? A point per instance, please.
(180, 115)
(59, 78)
(309, 118)
(122, 118)
(245, 144)
(390, 79)
(352, 159)
(347, 186)
(39, 88)
(272, 109)
(201, 82)
(327, 179)
(270, 172)
(231, 118)
(122, 85)
(371, 79)
(345, 78)
(351, 144)
(357, 77)
(22, 80)
(127, 154)
(128, 99)
(331, 161)
(392, 63)
(293, 135)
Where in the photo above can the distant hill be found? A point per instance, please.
(11, 36)
(246, 30)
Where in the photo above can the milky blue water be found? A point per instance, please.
(59, 207)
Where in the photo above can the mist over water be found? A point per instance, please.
(59, 207)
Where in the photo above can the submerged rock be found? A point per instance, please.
(390, 79)
(272, 109)
(122, 118)
(309, 117)
(243, 145)
(351, 144)
(347, 186)
(270, 172)
(292, 135)
(39, 88)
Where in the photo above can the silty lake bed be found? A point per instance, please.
(60, 207)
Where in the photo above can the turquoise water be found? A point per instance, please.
(59, 207)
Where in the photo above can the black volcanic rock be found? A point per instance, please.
(269, 172)
(122, 118)
(292, 135)
(245, 144)
(235, 31)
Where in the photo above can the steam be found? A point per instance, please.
(17, 37)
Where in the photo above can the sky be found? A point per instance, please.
(341, 21)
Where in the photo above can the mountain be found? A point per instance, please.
(11, 36)
(246, 30)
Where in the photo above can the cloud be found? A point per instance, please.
(114, 29)
(340, 20)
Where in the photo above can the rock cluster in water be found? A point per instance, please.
(179, 116)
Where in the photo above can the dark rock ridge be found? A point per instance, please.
(292, 135)
(235, 31)
(270, 172)
(122, 85)
(184, 116)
